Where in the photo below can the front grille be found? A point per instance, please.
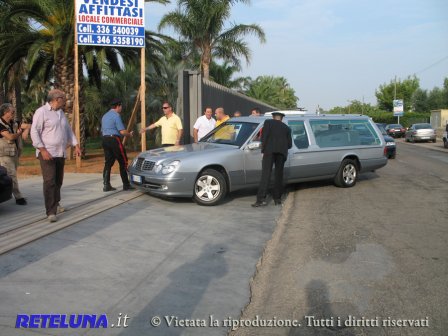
(139, 163)
(148, 165)
(143, 164)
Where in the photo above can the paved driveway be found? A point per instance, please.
(147, 257)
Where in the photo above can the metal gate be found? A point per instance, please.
(196, 93)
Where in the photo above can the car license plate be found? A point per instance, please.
(425, 137)
(137, 179)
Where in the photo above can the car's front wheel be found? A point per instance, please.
(210, 187)
(347, 174)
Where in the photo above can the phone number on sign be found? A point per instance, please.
(121, 40)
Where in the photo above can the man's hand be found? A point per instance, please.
(143, 130)
(45, 155)
(78, 150)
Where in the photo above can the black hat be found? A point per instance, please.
(115, 102)
(278, 113)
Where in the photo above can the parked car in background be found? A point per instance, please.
(395, 130)
(229, 158)
(5, 185)
(420, 132)
(445, 139)
(391, 147)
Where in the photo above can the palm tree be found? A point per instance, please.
(223, 74)
(201, 26)
(274, 91)
(46, 43)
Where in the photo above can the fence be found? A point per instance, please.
(196, 93)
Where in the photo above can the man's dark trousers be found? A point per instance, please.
(268, 161)
(53, 175)
(114, 150)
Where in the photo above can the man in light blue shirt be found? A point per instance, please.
(113, 129)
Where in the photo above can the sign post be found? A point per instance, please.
(113, 23)
(76, 96)
(398, 108)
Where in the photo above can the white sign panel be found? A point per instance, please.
(398, 107)
(114, 23)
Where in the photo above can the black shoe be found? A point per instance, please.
(21, 201)
(278, 202)
(128, 187)
(259, 204)
(108, 188)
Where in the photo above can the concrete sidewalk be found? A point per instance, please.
(438, 146)
(148, 258)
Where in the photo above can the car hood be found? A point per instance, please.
(184, 151)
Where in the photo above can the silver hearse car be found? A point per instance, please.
(337, 147)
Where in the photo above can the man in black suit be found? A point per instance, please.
(275, 142)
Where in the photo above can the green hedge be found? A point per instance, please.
(406, 120)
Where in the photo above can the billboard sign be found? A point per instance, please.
(113, 23)
(398, 107)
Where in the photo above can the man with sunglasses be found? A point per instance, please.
(170, 124)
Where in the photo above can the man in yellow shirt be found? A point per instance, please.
(171, 126)
(226, 132)
(221, 116)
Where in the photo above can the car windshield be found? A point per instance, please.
(233, 133)
(423, 126)
(395, 126)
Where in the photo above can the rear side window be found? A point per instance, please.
(423, 126)
(299, 135)
(340, 133)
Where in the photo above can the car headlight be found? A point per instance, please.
(390, 143)
(167, 168)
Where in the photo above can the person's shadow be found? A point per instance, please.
(319, 307)
(179, 299)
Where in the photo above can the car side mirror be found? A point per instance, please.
(254, 145)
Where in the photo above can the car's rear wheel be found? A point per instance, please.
(210, 187)
(435, 140)
(347, 174)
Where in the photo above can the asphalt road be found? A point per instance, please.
(370, 256)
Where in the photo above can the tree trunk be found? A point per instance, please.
(2, 93)
(65, 81)
(206, 58)
(18, 94)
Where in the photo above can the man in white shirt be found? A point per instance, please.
(51, 134)
(203, 125)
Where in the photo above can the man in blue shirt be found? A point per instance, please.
(113, 129)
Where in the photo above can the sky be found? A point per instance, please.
(335, 51)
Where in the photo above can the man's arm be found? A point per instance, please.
(150, 127)
(289, 138)
(36, 131)
(179, 136)
(11, 136)
(195, 135)
(126, 133)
